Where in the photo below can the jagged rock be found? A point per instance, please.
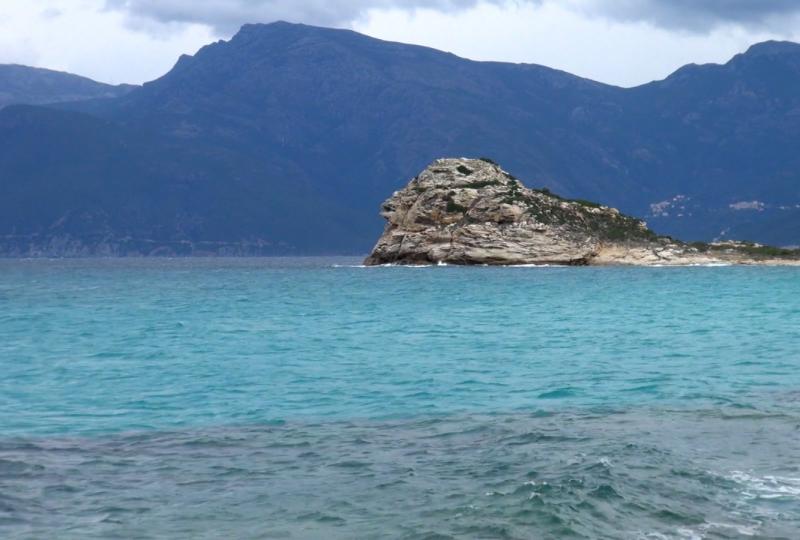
(471, 211)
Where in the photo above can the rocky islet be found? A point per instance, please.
(472, 212)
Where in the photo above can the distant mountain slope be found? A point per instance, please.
(287, 138)
(23, 85)
(727, 138)
(345, 107)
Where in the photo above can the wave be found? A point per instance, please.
(767, 487)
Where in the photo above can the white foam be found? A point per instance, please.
(444, 264)
(740, 529)
(690, 534)
(690, 265)
(536, 266)
(700, 532)
(382, 266)
(767, 487)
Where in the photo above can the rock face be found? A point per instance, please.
(471, 211)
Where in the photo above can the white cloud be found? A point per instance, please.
(556, 35)
(86, 39)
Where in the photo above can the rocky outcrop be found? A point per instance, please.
(471, 211)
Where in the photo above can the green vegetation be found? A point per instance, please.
(488, 160)
(756, 250)
(483, 184)
(749, 248)
(453, 207)
(768, 251)
(466, 171)
(547, 192)
(515, 194)
(584, 202)
(606, 225)
(627, 229)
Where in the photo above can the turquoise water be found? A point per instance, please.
(309, 398)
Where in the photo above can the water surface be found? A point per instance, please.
(308, 398)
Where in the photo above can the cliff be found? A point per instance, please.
(471, 211)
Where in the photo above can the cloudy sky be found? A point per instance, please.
(624, 42)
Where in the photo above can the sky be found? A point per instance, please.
(622, 42)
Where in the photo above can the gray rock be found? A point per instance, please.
(471, 211)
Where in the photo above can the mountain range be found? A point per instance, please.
(286, 139)
(23, 85)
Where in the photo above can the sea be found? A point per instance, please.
(313, 398)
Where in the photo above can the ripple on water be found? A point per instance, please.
(570, 474)
(290, 399)
(176, 344)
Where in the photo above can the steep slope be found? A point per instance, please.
(288, 136)
(23, 85)
(470, 211)
(357, 113)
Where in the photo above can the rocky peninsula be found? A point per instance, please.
(472, 212)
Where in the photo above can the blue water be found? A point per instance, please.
(310, 398)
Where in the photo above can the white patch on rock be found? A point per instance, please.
(757, 206)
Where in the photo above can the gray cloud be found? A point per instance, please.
(697, 15)
(228, 15)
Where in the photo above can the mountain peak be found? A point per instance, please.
(785, 51)
(772, 48)
(282, 28)
(251, 28)
(281, 35)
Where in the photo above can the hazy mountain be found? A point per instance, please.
(23, 85)
(287, 138)
(727, 137)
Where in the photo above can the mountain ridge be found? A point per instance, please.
(291, 135)
(25, 85)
